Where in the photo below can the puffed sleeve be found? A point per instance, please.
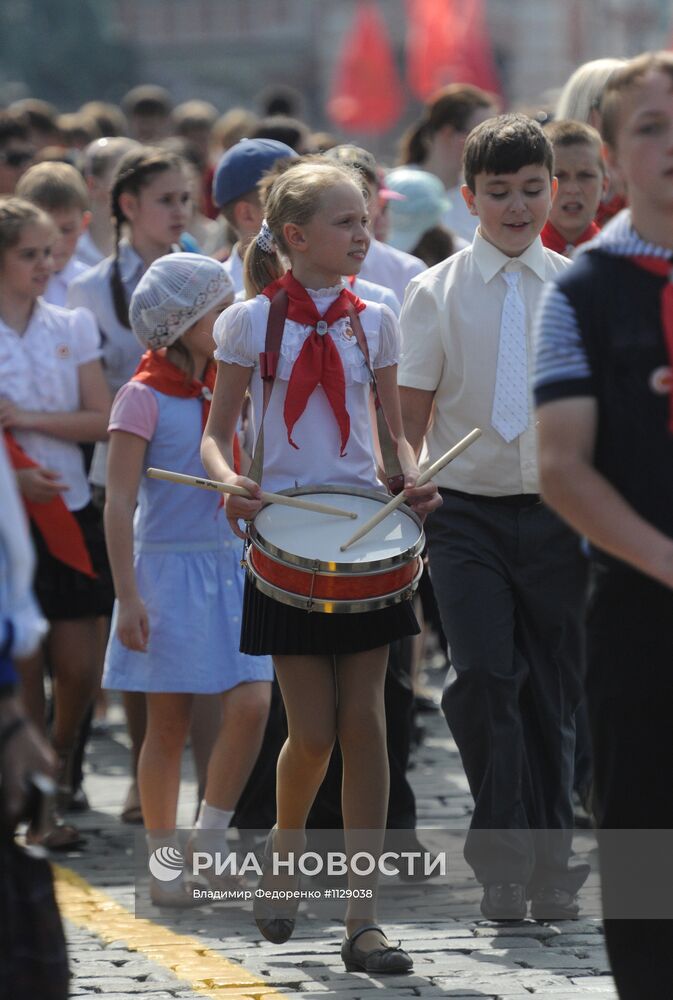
(85, 336)
(389, 339)
(135, 411)
(233, 335)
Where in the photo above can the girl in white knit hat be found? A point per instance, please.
(175, 565)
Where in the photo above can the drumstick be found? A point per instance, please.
(421, 481)
(240, 491)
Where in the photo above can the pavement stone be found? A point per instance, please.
(455, 956)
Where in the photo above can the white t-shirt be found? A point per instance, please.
(240, 334)
(39, 371)
(392, 268)
(233, 265)
(56, 292)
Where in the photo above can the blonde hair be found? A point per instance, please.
(294, 196)
(630, 77)
(582, 93)
(15, 215)
(54, 186)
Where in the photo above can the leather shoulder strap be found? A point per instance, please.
(268, 364)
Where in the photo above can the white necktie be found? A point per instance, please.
(510, 401)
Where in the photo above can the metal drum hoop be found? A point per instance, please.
(348, 569)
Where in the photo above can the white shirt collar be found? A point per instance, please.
(38, 317)
(491, 261)
(130, 262)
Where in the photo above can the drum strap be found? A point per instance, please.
(268, 363)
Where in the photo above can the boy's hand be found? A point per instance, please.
(133, 626)
(40, 485)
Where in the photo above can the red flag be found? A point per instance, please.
(448, 42)
(366, 93)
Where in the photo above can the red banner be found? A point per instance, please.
(448, 42)
(366, 93)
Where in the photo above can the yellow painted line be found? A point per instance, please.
(206, 971)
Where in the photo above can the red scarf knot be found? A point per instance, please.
(553, 240)
(664, 268)
(319, 361)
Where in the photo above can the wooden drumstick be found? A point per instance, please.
(424, 478)
(240, 491)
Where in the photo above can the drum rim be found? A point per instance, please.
(350, 569)
(310, 604)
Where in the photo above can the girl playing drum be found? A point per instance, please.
(330, 668)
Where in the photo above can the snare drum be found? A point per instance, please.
(294, 555)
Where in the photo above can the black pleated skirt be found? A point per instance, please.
(271, 627)
(64, 593)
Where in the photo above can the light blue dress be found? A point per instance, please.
(187, 564)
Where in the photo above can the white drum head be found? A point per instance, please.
(310, 536)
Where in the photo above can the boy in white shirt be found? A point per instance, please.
(59, 190)
(508, 575)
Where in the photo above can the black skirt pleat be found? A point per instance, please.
(64, 593)
(271, 627)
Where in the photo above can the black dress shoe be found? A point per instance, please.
(275, 923)
(554, 904)
(504, 901)
(387, 960)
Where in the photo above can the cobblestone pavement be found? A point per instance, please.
(217, 952)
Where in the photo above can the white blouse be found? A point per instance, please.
(39, 371)
(240, 334)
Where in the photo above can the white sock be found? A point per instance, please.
(211, 818)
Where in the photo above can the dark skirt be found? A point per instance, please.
(64, 593)
(271, 627)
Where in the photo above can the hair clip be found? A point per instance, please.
(264, 238)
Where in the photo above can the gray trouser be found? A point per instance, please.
(510, 581)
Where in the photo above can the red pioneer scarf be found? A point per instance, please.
(553, 240)
(156, 371)
(319, 360)
(664, 268)
(58, 526)
(608, 209)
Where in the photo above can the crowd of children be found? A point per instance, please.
(511, 248)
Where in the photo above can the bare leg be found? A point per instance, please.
(361, 728)
(168, 717)
(31, 672)
(203, 733)
(309, 693)
(244, 711)
(73, 649)
(136, 722)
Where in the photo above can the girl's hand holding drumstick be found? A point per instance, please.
(424, 478)
(422, 499)
(240, 508)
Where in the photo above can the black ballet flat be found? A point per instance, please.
(273, 926)
(387, 961)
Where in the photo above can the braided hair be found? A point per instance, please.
(135, 170)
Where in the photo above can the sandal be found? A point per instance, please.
(132, 811)
(60, 836)
(276, 926)
(388, 959)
